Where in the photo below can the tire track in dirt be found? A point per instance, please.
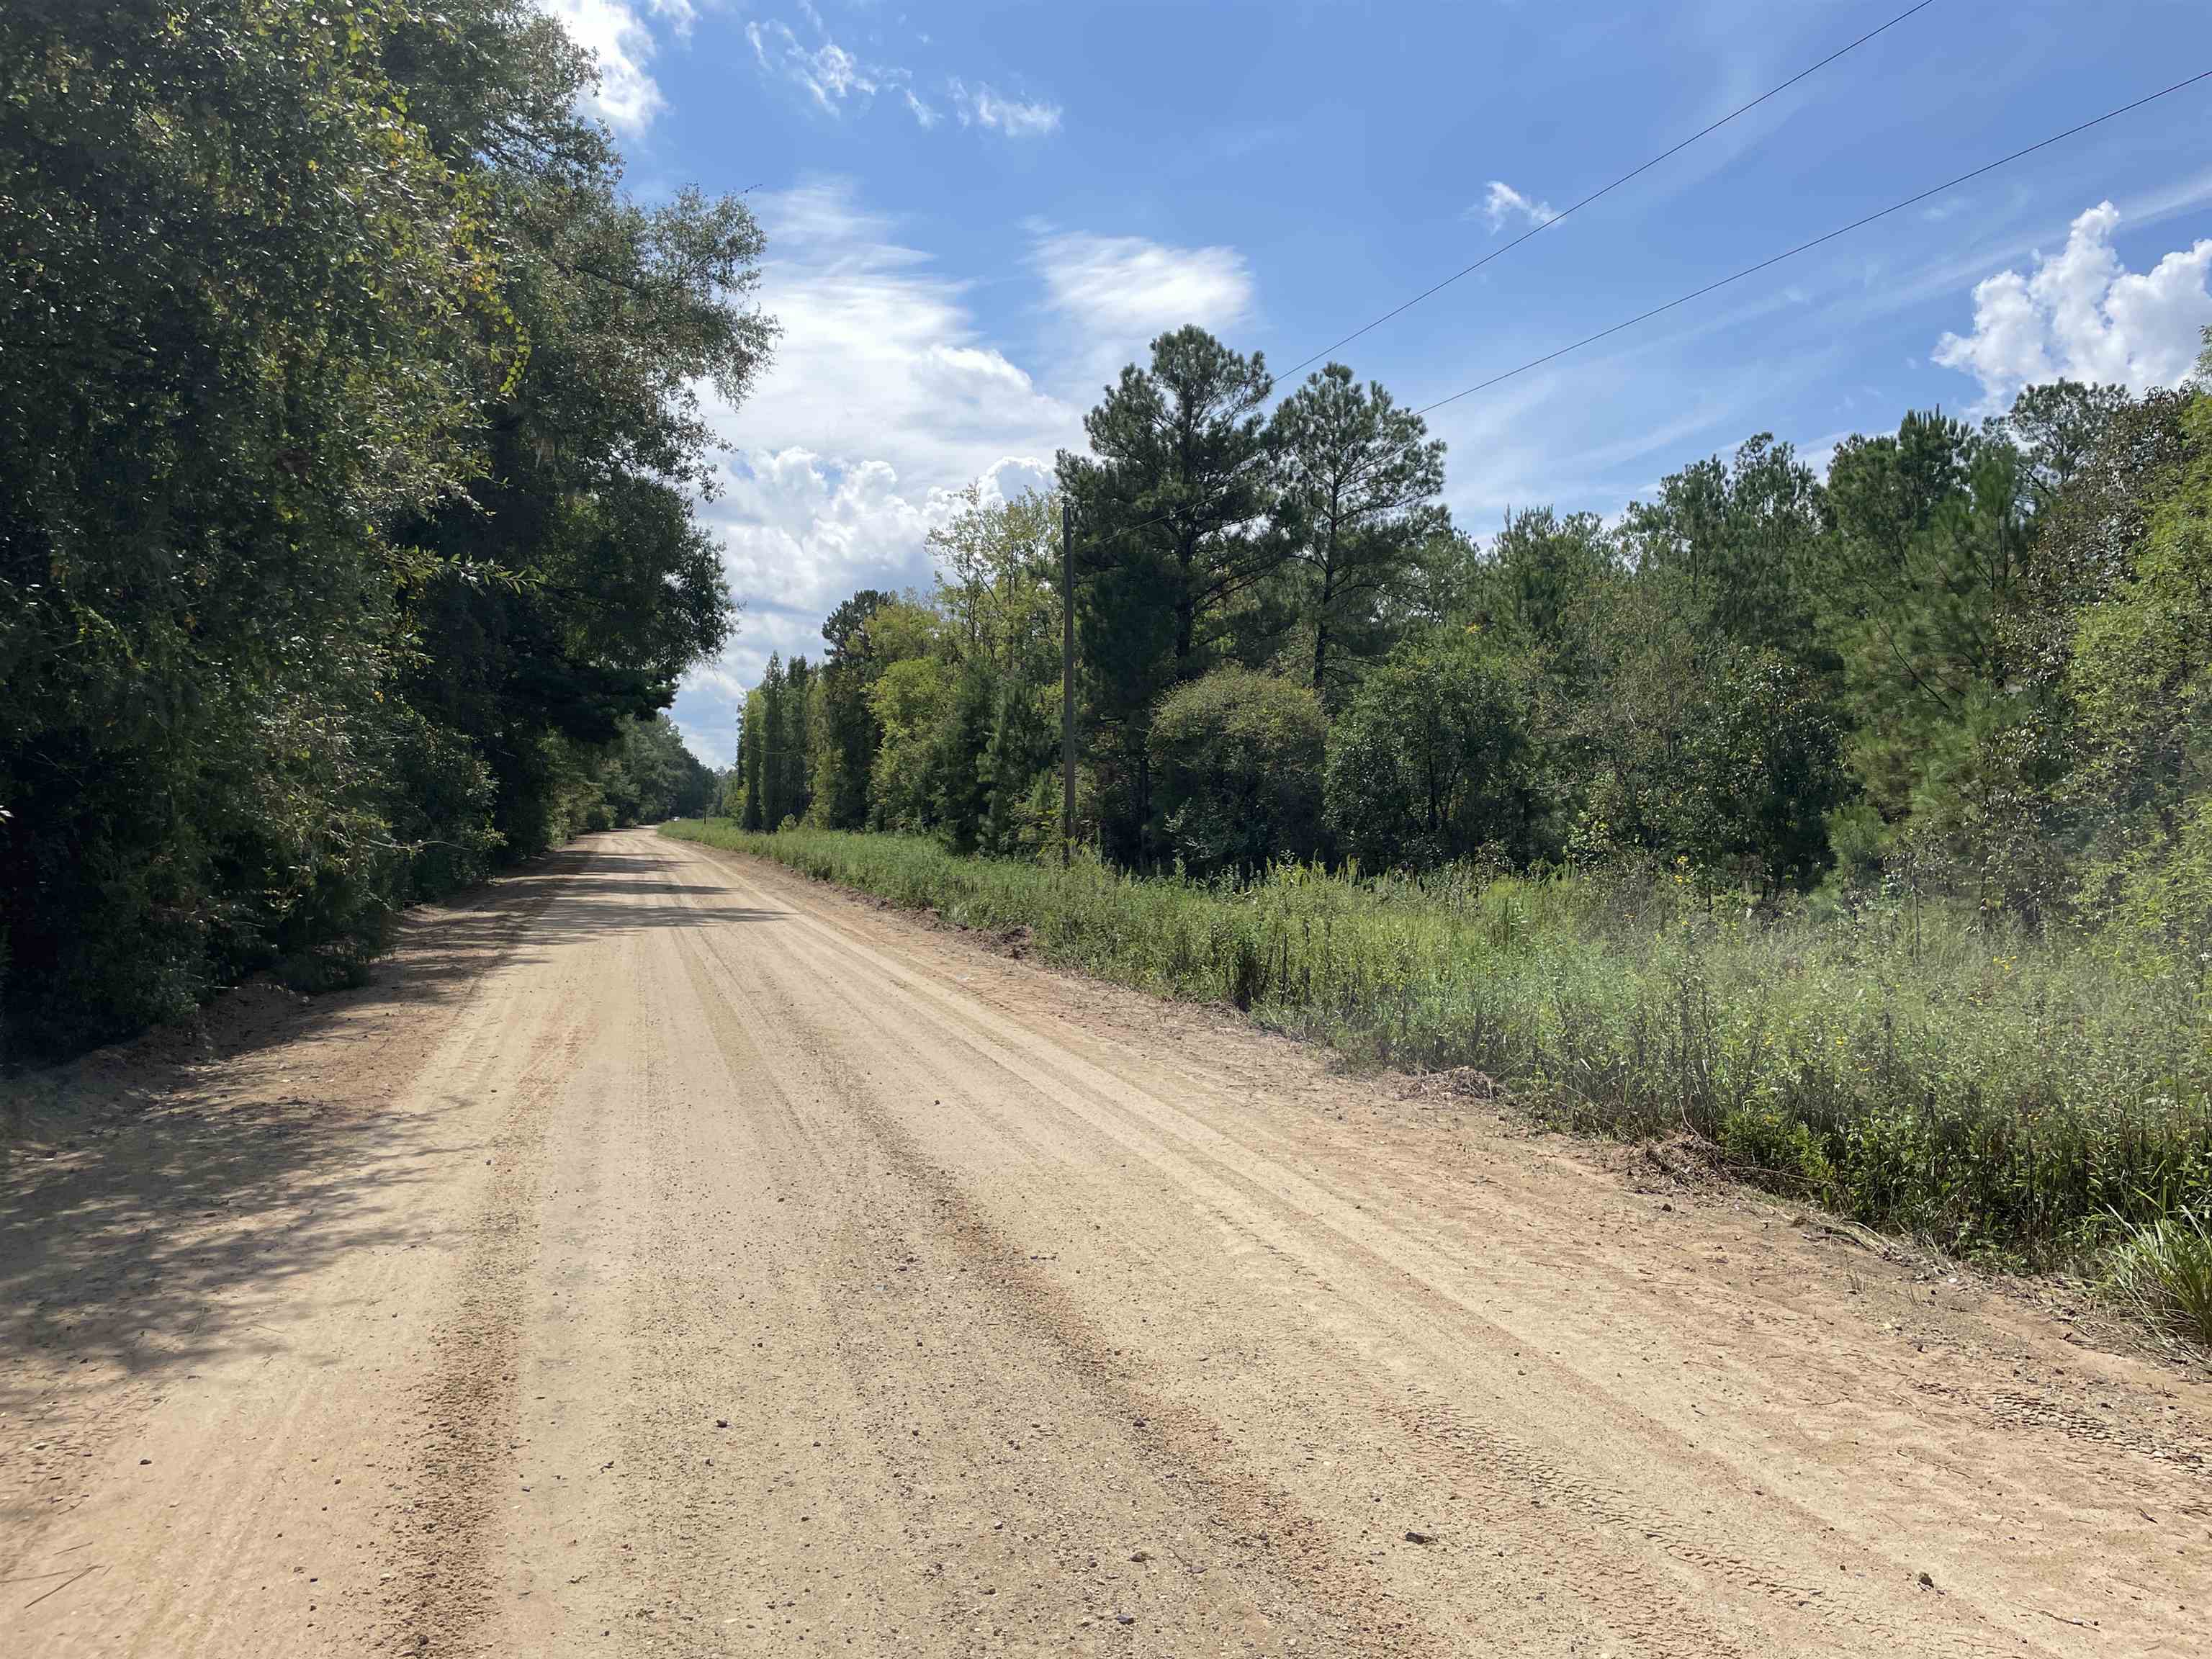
(448, 1564)
(1662, 1556)
(1559, 1523)
(1285, 1572)
(1645, 1604)
(462, 1445)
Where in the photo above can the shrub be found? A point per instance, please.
(1237, 770)
(1429, 763)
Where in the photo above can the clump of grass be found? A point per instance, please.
(1998, 1094)
(2163, 1272)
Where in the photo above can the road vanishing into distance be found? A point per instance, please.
(665, 1255)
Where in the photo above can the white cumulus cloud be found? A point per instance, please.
(881, 356)
(885, 398)
(2080, 314)
(1502, 203)
(613, 32)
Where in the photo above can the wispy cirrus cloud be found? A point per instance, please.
(831, 76)
(979, 106)
(835, 78)
(1116, 293)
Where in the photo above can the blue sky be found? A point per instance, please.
(976, 214)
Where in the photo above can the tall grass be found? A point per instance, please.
(2163, 1271)
(1995, 1094)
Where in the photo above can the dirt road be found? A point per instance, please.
(668, 1256)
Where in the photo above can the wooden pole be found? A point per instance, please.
(1067, 680)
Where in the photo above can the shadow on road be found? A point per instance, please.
(159, 1196)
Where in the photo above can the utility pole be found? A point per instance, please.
(1067, 680)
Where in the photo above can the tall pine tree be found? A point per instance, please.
(1174, 510)
(1359, 489)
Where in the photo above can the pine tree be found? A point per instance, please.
(751, 742)
(845, 745)
(1176, 534)
(775, 731)
(1359, 489)
(798, 688)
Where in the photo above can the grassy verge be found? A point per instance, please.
(2011, 1098)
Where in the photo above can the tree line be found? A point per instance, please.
(1976, 659)
(348, 450)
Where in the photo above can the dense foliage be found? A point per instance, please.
(1237, 760)
(1974, 663)
(346, 451)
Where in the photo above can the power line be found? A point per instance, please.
(1764, 264)
(1277, 379)
(1534, 230)
(1806, 246)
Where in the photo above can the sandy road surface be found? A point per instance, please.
(668, 1256)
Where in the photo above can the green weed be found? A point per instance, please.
(2164, 1272)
